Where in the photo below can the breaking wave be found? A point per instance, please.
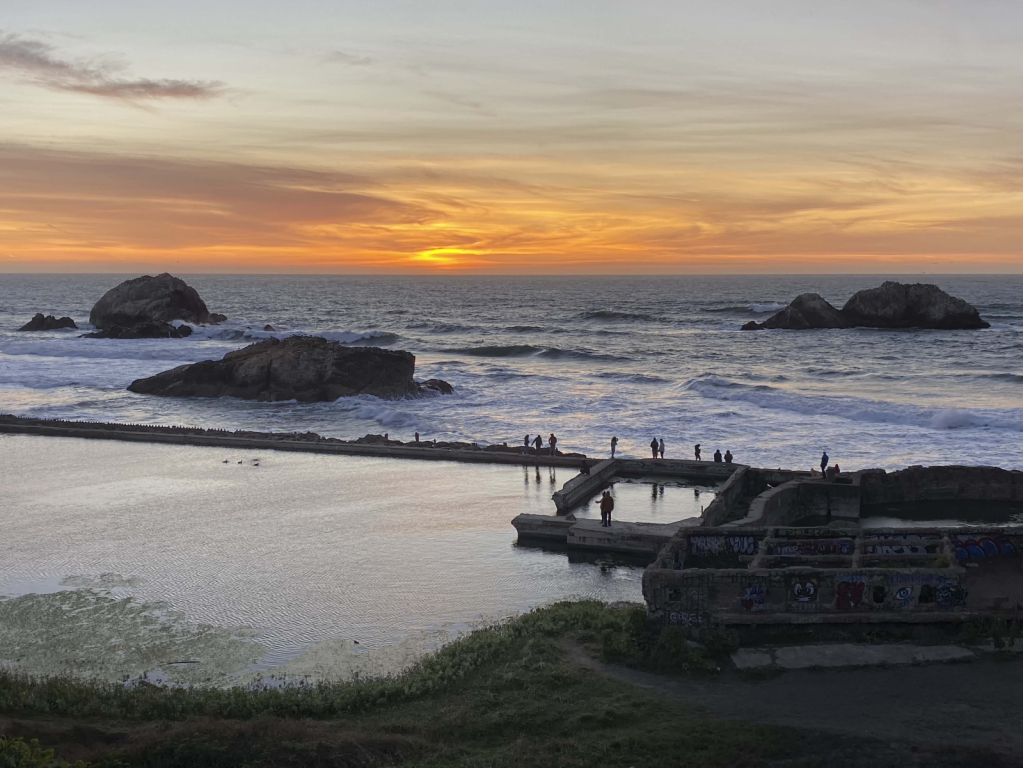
(528, 350)
(853, 408)
(613, 315)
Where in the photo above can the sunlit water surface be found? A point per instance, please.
(296, 549)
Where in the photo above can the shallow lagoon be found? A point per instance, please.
(251, 560)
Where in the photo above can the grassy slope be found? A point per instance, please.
(503, 696)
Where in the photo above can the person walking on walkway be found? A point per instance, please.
(728, 457)
(538, 443)
(614, 444)
(717, 456)
(824, 463)
(696, 450)
(553, 442)
(526, 443)
(661, 447)
(654, 446)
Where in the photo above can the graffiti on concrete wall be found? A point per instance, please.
(815, 548)
(804, 593)
(753, 600)
(685, 618)
(849, 593)
(984, 546)
(706, 545)
(927, 545)
(743, 545)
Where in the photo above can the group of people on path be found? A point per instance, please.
(537, 443)
(657, 450)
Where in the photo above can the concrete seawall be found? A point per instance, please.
(275, 442)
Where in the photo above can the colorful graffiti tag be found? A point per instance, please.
(815, 548)
(985, 546)
(754, 598)
(804, 591)
(849, 595)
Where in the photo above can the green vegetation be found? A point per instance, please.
(529, 692)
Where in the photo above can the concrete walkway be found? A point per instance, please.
(847, 655)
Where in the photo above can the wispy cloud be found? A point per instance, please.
(39, 63)
(341, 57)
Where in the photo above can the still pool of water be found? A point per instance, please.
(285, 550)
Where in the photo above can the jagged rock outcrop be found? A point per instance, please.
(149, 299)
(920, 305)
(891, 305)
(808, 310)
(303, 368)
(39, 322)
(148, 330)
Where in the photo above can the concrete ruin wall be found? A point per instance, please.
(744, 483)
(710, 577)
(940, 484)
(796, 499)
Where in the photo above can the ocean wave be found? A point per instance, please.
(525, 328)
(528, 350)
(756, 309)
(614, 315)
(638, 378)
(421, 325)
(853, 408)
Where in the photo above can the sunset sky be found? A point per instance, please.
(573, 137)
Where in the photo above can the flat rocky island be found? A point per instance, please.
(304, 368)
(891, 305)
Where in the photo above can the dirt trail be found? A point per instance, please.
(965, 704)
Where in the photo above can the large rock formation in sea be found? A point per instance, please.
(891, 305)
(39, 322)
(147, 299)
(808, 310)
(920, 305)
(303, 368)
(147, 330)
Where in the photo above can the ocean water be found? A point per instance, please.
(585, 358)
(247, 560)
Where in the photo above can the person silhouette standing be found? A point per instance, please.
(614, 444)
(696, 450)
(661, 447)
(824, 463)
(552, 441)
(538, 443)
(654, 446)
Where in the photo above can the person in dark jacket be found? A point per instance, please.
(728, 457)
(607, 505)
(717, 456)
(824, 463)
(696, 450)
(553, 442)
(654, 445)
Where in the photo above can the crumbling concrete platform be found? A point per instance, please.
(642, 539)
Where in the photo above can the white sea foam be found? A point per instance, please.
(764, 308)
(853, 408)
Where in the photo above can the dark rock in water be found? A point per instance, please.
(304, 368)
(268, 328)
(438, 386)
(142, 331)
(892, 305)
(148, 299)
(920, 305)
(807, 311)
(47, 323)
(216, 317)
